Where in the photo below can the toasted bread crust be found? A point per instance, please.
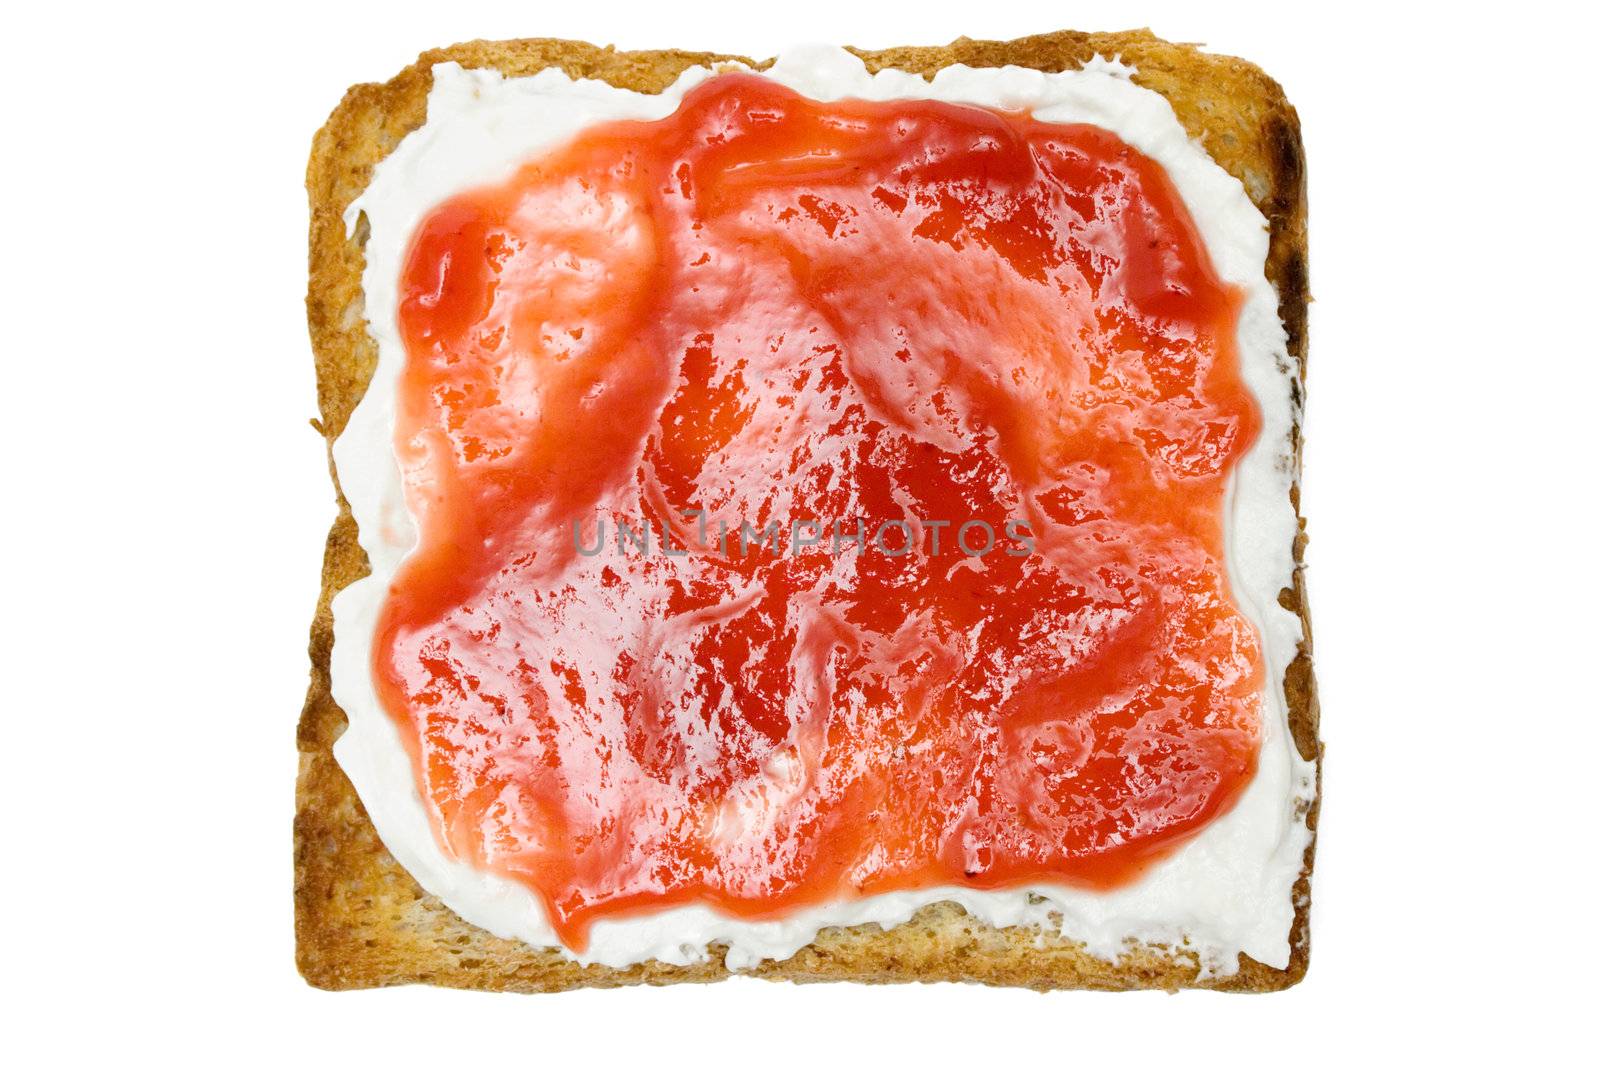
(361, 920)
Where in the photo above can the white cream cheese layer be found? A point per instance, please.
(1228, 890)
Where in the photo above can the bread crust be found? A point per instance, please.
(361, 920)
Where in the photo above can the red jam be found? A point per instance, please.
(704, 422)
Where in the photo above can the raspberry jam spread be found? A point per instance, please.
(816, 500)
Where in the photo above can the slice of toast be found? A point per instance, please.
(361, 920)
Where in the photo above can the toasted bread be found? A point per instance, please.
(361, 920)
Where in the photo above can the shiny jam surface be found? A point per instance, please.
(703, 422)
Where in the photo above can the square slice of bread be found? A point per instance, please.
(361, 920)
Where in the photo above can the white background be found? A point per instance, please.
(165, 503)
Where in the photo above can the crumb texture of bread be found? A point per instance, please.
(361, 920)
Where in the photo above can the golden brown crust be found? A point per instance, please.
(360, 918)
